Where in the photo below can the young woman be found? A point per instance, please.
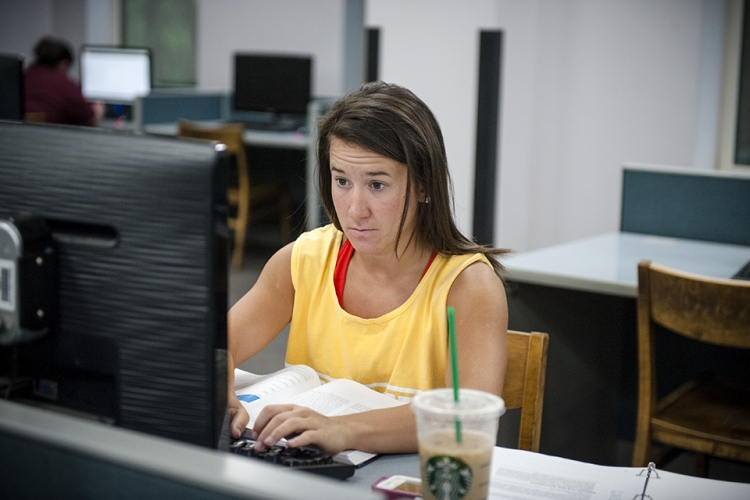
(367, 294)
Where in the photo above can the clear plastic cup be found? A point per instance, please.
(456, 442)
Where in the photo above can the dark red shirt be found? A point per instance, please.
(48, 91)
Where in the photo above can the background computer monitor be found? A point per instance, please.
(11, 87)
(115, 75)
(279, 84)
(139, 226)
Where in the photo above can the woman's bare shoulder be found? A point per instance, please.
(477, 282)
(279, 266)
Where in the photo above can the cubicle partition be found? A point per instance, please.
(170, 106)
(706, 205)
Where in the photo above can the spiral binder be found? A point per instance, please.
(650, 469)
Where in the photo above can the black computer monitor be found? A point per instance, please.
(114, 75)
(278, 84)
(138, 225)
(11, 87)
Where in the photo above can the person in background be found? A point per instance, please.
(50, 94)
(367, 294)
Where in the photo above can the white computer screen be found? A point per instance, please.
(115, 75)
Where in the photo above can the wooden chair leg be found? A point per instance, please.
(243, 218)
(641, 448)
(238, 252)
(701, 465)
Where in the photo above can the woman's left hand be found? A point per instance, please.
(301, 426)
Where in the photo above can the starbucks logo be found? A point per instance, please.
(448, 478)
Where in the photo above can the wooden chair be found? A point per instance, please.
(705, 415)
(524, 383)
(251, 201)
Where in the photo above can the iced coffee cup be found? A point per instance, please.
(456, 440)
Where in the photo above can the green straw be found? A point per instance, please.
(454, 365)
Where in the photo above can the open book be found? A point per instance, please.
(300, 385)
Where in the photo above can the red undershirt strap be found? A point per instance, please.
(342, 265)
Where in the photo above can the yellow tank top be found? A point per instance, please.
(400, 353)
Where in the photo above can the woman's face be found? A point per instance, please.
(368, 194)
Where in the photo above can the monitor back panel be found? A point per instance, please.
(11, 87)
(137, 222)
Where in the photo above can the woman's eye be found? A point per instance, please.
(377, 186)
(341, 182)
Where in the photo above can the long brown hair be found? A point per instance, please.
(393, 122)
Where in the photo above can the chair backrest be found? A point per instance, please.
(229, 134)
(524, 383)
(712, 310)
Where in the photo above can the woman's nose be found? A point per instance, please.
(358, 206)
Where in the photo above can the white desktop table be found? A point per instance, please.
(264, 138)
(608, 263)
(583, 294)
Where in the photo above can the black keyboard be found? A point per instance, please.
(307, 459)
(744, 273)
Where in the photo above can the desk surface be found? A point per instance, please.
(265, 138)
(523, 474)
(385, 465)
(74, 450)
(517, 473)
(608, 263)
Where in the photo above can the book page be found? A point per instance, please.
(343, 397)
(338, 397)
(256, 391)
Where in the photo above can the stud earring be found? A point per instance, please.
(427, 200)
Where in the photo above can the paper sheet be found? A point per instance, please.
(522, 475)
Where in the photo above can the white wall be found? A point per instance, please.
(226, 26)
(23, 23)
(587, 86)
(431, 47)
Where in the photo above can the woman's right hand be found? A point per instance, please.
(238, 417)
(254, 321)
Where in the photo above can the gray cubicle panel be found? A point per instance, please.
(44, 454)
(689, 203)
(170, 106)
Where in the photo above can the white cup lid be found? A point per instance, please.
(472, 404)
